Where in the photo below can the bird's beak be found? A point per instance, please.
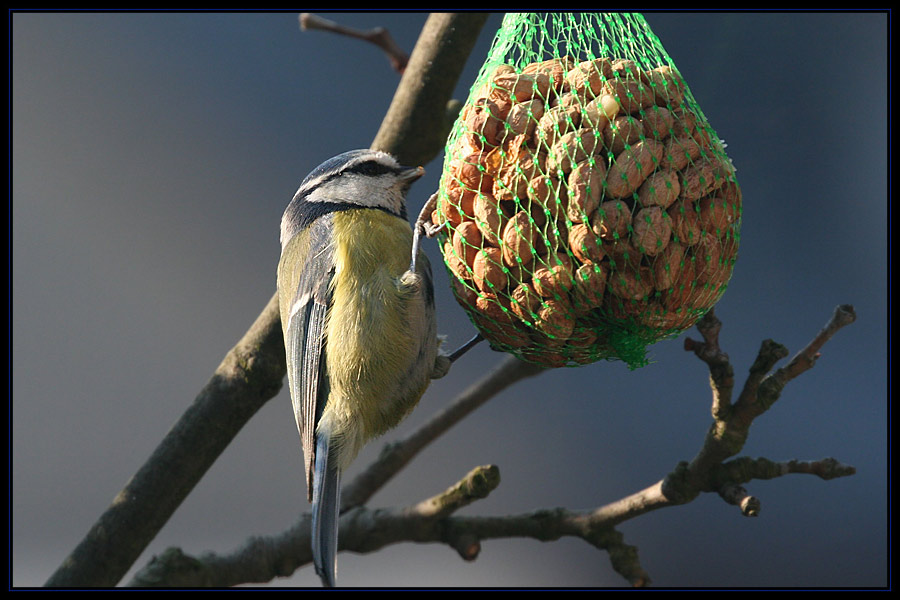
(412, 173)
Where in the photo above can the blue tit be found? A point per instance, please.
(357, 311)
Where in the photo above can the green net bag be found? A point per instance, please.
(587, 209)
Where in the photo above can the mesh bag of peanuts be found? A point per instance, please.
(586, 208)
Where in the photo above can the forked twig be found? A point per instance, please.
(377, 35)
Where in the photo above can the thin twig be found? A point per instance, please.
(377, 35)
(721, 372)
(806, 358)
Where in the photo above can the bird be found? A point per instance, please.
(356, 299)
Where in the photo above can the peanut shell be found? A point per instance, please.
(667, 85)
(524, 117)
(555, 319)
(657, 122)
(519, 87)
(525, 302)
(623, 131)
(466, 241)
(584, 244)
(518, 240)
(487, 270)
(488, 218)
(685, 222)
(585, 189)
(554, 278)
(632, 167)
(586, 78)
(631, 94)
(571, 149)
(660, 189)
(652, 230)
(590, 285)
(612, 220)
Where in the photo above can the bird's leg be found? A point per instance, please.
(465, 347)
(424, 226)
(443, 362)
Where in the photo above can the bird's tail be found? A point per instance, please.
(326, 504)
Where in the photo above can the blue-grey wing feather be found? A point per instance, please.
(307, 339)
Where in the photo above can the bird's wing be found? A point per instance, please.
(307, 295)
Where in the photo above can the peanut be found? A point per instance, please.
(667, 266)
(554, 278)
(571, 149)
(612, 220)
(484, 119)
(524, 117)
(487, 270)
(586, 79)
(657, 122)
(632, 167)
(555, 123)
(660, 189)
(466, 241)
(632, 95)
(599, 111)
(699, 179)
(652, 230)
(585, 188)
(554, 68)
(623, 131)
(525, 302)
(667, 85)
(590, 285)
(518, 87)
(518, 240)
(716, 215)
(584, 244)
(634, 283)
(471, 173)
(680, 152)
(488, 218)
(555, 319)
(685, 222)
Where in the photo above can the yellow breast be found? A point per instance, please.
(370, 346)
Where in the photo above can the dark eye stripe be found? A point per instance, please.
(370, 168)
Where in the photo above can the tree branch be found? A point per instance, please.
(377, 35)
(366, 530)
(426, 88)
(730, 428)
(250, 375)
(263, 558)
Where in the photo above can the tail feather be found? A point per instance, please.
(326, 504)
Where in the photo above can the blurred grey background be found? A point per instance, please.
(153, 155)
